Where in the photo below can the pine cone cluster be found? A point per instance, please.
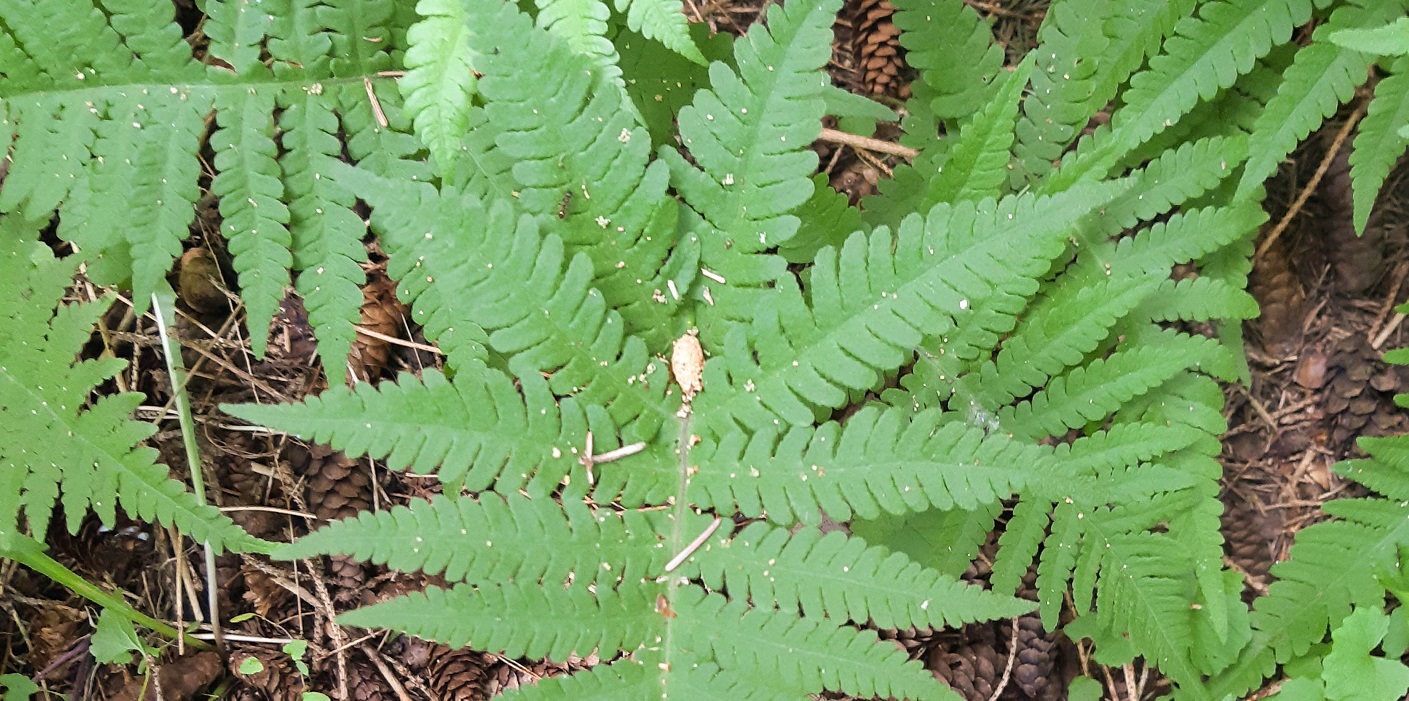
(877, 47)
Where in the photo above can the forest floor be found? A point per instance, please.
(1317, 383)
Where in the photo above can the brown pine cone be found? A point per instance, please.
(1035, 667)
(457, 675)
(1278, 290)
(915, 642)
(1250, 533)
(381, 312)
(365, 682)
(337, 487)
(274, 674)
(1360, 393)
(877, 47)
(972, 671)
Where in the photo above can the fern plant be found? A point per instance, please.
(57, 447)
(997, 339)
(998, 326)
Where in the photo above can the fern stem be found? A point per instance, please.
(163, 305)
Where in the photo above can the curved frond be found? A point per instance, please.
(1206, 54)
(1088, 48)
(749, 136)
(843, 578)
(963, 274)
(1321, 78)
(326, 234)
(1094, 391)
(492, 272)
(977, 163)
(879, 461)
(783, 651)
(479, 429)
(578, 157)
(1380, 141)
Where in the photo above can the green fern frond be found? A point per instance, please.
(467, 272)
(954, 51)
(478, 429)
(1205, 54)
(803, 654)
(492, 537)
(1380, 141)
(440, 78)
(1198, 299)
(1094, 391)
(593, 187)
(748, 136)
(964, 273)
(843, 578)
(251, 202)
(881, 461)
(1321, 78)
(53, 437)
(663, 21)
(1175, 177)
(549, 622)
(324, 230)
(977, 163)
(1017, 546)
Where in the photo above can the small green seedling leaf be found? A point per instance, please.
(17, 687)
(296, 649)
(251, 665)
(115, 639)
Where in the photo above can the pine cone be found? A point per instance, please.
(915, 642)
(1035, 669)
(365, 682)
(1274, 284)
(1360, 393)
(971, 670)
(1249, 534)
(337, 487)
(877, 47)
(383, 313)
(457, 675)
(275, 676)
(1358, 261)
